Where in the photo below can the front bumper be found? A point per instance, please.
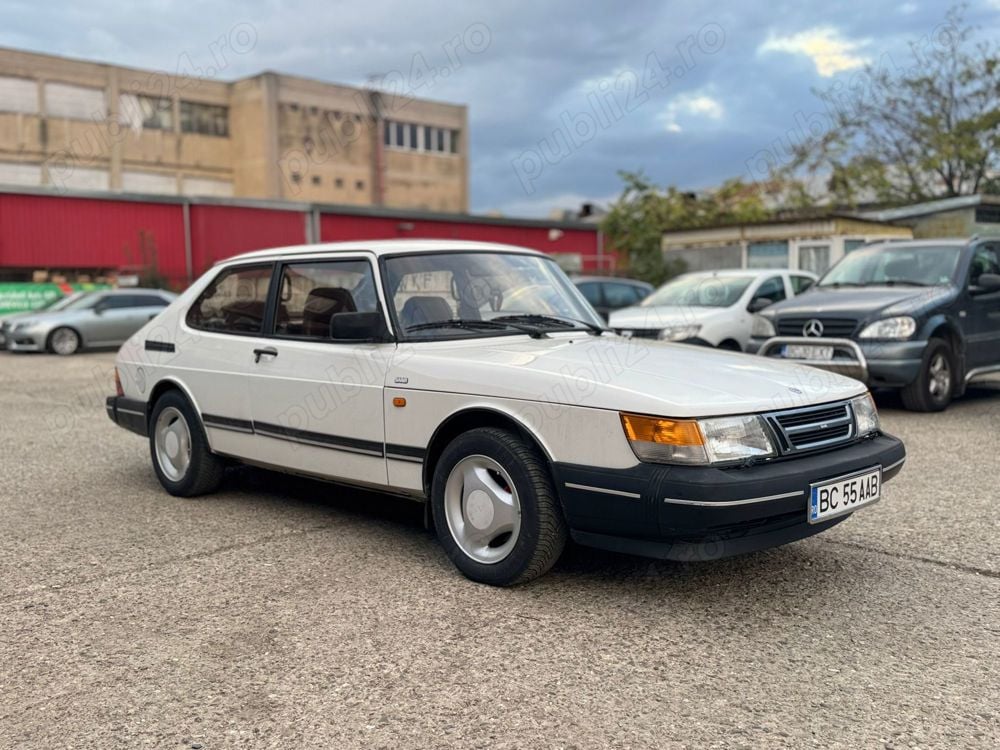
(891, 364)
(702, 513)
(25, 341)
(128, 413)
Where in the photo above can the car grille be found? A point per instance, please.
(812, 427)
(640, 333)
(840, 328)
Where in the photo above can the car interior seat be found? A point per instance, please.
(322, 303)
(418, 310)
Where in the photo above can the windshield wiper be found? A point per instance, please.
(838, 284)
(470, 324)
(592, 328)
(903, 282)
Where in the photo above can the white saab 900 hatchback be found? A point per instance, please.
(476, 378)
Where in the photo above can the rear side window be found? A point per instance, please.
(234, 302)
(592, 291)
(620, 295)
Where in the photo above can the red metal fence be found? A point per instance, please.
(180, 238)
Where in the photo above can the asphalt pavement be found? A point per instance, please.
(285, 613)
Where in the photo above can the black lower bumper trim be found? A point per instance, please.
(128, 413)
(679, 512)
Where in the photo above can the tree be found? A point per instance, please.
(905, 135)
(637, 220)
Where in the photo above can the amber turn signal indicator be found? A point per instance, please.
(664, 431)
(399, 401)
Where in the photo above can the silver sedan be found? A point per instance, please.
(89, 320)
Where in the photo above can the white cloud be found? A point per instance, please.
(691, 105)
(830, 52)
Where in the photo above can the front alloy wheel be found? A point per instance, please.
(935, 384)
(495, 509)
(64, 341)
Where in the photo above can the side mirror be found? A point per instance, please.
(758, 304)
(986, 283)
(359, 327)
(99, 309)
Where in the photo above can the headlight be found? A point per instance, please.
(690, 441)
(762, 328)
(891, 328)
(679, 333)
(24, 325)
(865, 415)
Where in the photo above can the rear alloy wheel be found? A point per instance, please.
(934, 386)
(64, 341)
(495, 509)
(179, 449)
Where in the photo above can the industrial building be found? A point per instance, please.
(810, 243)
(170, 240)
(72, 125)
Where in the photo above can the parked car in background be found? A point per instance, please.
(711, 308)
(86, 320)
(922, 317)
(607, 294)
(7, 321)
(476, 378)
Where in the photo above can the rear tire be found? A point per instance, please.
(495, 509)
(179, 448)
(935, 385)
(730, 346)
(64, 342)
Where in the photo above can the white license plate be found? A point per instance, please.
(805, 351)
(844, 494)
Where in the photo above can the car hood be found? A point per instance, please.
(861, 303)
(662, 316)
(612, 372)
(50, 317)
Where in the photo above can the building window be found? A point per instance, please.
(454, 141)
(767, 255)
(205, 119)
(814, 258)
(360, 184)
(414, 137)
(316, 179)
(339, 182)
(398, 132)
(851, 245)
(296, 178)
(157, 113)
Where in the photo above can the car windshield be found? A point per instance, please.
(466, 293)
(890, 266)
(82, 301)
(717, 290)
(61, 303)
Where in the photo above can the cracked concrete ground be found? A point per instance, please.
(283, 612)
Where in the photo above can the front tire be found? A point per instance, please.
(179, 449)
(495, 509)
(934, 386)
(64, 342)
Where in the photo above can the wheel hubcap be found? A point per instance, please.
(173, 444)
(482, 509)
(940, 377)
(64, 341)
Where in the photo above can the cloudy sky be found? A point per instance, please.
(561, 93)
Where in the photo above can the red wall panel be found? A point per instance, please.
(338, 228)
(60, 232)
(219, 232)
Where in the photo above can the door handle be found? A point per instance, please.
(266, 352)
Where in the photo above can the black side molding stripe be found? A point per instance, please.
(405, 453)
(227, 423)
(318, 438)
(322, 440)
(159, 346)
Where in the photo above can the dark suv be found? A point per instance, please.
(923, 317)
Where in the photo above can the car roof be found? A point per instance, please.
(129, 290)
(635, 282)
(748, 272)
(384, 247)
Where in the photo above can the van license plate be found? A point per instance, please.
(806, 351)
(844, 494)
